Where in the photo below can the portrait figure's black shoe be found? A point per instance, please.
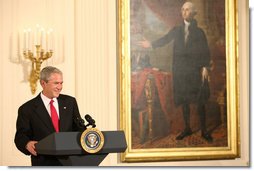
(184, 134)
(207, 137)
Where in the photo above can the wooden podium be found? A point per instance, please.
(68, 150)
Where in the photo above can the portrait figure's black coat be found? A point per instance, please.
(188, 60)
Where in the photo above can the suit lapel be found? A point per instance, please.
(182, 35)
(62, 112)
(43, 113)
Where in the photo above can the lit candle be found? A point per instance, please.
(29, 39)
(50, 39)
(47, 40)
(37, 35)
(43, 38)
(35, 38)
(24, 40)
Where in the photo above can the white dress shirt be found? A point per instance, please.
(46, 102)
(186, 30)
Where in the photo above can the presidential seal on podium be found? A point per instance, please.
(92, 140)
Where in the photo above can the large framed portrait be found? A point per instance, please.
(178, 81)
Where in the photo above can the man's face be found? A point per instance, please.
(187, 12)
(53, 87)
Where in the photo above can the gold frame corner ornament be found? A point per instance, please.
(92, 140)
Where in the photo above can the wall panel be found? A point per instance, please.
(17, 15)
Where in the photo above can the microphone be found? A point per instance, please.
(80, 123)
(90, 121)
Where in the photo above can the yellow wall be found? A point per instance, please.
(87, 29)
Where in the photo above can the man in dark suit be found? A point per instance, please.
(34, 117)
(191, 59)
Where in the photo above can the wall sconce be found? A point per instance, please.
(43, 42)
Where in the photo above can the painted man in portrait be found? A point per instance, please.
(190, 66)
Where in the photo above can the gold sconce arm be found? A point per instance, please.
(36, 64)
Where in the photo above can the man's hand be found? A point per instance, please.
(144, 43)
(30, 146)
(204, 74)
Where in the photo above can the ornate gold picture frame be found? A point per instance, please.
(149, 115)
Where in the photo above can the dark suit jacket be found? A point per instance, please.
(188, 60)
(34, 123)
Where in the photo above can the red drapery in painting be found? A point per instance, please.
(163, 85)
